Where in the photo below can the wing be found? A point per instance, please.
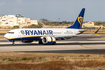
(78, 34)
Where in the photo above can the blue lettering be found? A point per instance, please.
(47, 32)
(31, 32)
(39, 32)
(35, 32)
(22, 32)
(50, 32)
(44, 32)
(27, 32)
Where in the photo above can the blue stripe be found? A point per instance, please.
(28, 38)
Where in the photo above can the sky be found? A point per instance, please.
(66, 10)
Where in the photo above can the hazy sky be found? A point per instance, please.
(66, 10)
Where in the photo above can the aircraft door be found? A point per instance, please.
(21, 34)
(62, 32)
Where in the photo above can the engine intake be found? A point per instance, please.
(48, 40)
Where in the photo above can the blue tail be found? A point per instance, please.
(79, 21)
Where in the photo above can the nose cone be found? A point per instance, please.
(6, 36)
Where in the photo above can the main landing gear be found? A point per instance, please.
(13, 43)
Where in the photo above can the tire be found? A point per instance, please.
(40, 42)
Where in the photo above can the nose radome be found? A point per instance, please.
(5, 36)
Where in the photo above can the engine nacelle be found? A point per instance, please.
(27, 41)
(48, 40)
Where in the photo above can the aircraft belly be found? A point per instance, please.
(27, 38)
(31, 38)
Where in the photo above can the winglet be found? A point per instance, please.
(97, 31)
(97, 34)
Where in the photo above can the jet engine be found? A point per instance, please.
(48, 40)
(27, 41)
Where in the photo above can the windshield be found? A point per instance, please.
(10, 32)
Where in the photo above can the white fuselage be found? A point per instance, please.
(19, 33)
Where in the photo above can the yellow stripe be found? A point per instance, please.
(50, 41)
(32, 36)
(79, 32)
(97, 34)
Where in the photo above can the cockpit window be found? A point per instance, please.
(10, 32)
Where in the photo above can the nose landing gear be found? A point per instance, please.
(13, 42)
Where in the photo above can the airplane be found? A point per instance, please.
(48, 35)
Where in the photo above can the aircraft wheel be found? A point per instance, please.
(40, 42)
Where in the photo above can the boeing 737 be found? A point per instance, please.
(47, 35)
